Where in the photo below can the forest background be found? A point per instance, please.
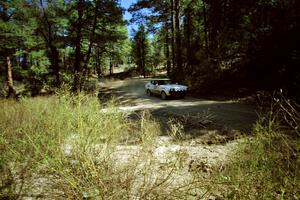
(213, 46)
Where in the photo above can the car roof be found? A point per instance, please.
(160, 79)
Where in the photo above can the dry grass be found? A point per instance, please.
(67, 147)
(267, 165)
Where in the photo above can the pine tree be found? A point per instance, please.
(141, 49)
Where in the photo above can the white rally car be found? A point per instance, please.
(165, 88)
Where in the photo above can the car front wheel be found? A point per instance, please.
(149, 93)
(163, 95)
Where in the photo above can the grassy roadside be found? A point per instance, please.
(267, 165)
(55, 137)
(67, 147)
(264, 167)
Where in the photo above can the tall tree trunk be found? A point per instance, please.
(11, 90)
(64, 62)
(167, 50)
(143, 60)
(179, 69)
(143, 53)
(215, 19)
(24, 62)
(173, 35)
(98, 63)
(53, 53)
(91, 41)
(188, 33)
(205, 29)
(78, 55)
(54, 59)
(111, 67)
(98, 70)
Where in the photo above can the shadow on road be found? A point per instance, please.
(199, 117)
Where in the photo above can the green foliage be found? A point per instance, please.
(207, 42)
(141, 48)
(40, 65)
(236, 43)
(29, 28)
(157, 58)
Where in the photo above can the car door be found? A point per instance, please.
(155, 87)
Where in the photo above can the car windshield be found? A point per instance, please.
(164, 82)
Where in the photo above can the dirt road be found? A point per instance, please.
(227, 115)
(211, 129)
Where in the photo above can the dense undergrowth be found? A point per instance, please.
(71, 147)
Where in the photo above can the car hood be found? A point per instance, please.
(175, 87)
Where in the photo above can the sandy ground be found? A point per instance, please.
(213, 129)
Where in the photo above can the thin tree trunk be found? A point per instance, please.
(11, 89)
(179, 68)
(64, 62)
(143, 44)
(143, 62)
(24, 62)
(78, 56)
(205, 30)
(215, 19)
(54, 59)
(167, 52)
(111, 67)
(173, 35)
(98, 63)
(98, 70)
(91, 41)
(53, 52)
(188, 32)
(53, 56)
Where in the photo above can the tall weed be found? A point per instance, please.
(59, 136)
(267, 165)
(70, 147)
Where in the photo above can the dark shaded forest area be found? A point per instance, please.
(217, 45)
(214, 46)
